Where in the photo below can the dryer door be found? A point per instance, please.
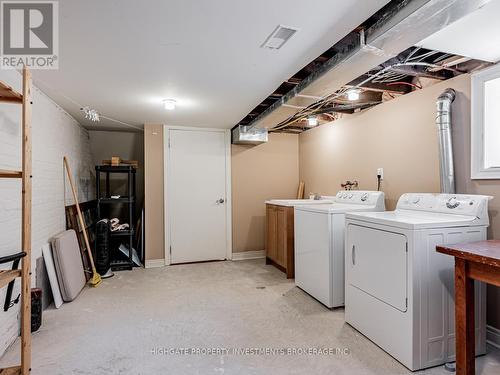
(377, 263)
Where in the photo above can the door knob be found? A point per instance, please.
(219, 201)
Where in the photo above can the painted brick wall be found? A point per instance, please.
(54, 133)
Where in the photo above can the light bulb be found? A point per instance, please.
(312, 121)
(169, 104)
(353, 94)
(90, 114)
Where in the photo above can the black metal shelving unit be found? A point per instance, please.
(129, 199)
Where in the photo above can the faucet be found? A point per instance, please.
(349, 185)
(315, 196)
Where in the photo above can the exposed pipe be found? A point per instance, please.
(300, 115)
(403, 24)
(443, 122)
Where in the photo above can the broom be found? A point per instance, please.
(95, 280)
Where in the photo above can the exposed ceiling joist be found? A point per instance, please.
(347, 108)
(420, 71)
(395, 88)
(397, 27)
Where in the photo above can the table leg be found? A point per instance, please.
(464, 319)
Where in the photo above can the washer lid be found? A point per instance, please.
(409, 219)
(335, 208)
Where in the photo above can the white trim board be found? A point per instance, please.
(154, 263)
(246, 255)
(229, 210)
(493, 336)
(478, 169)
(229, 198)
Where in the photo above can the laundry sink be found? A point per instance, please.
(297, 202)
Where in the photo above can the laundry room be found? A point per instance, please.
(226, 187)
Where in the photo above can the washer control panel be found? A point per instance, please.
(360, 197)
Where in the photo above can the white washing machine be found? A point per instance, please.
(399, 290)
(319, 243)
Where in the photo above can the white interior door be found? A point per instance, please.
(196, 195)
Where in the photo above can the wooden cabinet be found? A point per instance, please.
(280, 238)
(271, 231)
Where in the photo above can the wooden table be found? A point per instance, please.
(473, 261)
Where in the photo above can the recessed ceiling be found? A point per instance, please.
(476, 36)
(124, 57)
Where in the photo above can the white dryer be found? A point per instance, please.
(319, 243)
(399, 290)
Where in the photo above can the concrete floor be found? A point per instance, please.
(114, 328)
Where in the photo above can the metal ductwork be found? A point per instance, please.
(244, 135)
(443, 122)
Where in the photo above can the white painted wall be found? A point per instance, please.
(55, 134)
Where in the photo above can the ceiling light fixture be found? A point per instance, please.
(353, 94)
(90, 114)
(312, 121)
(169, 104)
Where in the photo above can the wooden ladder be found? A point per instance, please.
(9, 95)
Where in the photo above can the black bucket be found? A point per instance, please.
(36, 309)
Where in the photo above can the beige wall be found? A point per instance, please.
(153, 192)
(461, 142)
(262, 172)
(401, 137)
(266, 171)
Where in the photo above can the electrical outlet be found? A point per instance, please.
(380, 172)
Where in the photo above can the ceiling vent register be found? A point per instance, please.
(280, 35)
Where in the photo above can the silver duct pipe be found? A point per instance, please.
(443, 122)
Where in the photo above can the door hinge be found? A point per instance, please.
(170, 249)
(168, 142)
(407, 247)
(407, 302)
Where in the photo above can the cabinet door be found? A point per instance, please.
(281, 231)
(271, 238)
(290, 242)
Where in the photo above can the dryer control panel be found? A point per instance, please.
(456, 204)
